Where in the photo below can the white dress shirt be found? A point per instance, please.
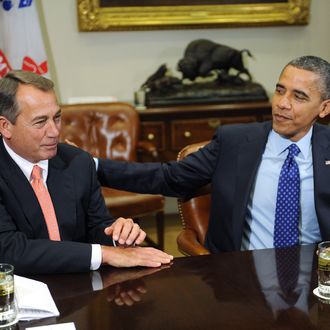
(26, 168)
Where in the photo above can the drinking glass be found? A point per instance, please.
(324, 269)
(140, 99)
(8, 309)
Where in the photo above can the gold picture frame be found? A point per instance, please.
(93, 17)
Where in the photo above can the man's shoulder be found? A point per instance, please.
(68, 149)
(322, 128)
(69, 153)
(321, 133)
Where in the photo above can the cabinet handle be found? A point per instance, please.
(187, 134)
(151, 136)
(214, 123)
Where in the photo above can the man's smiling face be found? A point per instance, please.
(296, 103)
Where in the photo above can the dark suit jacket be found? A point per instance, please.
(79, 207)
(230, 164)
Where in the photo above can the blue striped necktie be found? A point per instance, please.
(287, 212)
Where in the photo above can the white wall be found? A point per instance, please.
(117, 63)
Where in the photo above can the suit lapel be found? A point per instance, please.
(321, 168)
(249, 157)
(61, 188)
(23, 192)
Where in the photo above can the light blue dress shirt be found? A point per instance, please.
(267, 273)
(259, 228)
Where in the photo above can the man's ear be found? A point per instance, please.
(5, 127)
(325, 108)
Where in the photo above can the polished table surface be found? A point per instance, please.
(233, 290)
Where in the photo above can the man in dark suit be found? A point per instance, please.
(243, 164)
(62, 225)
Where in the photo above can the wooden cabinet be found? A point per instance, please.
(172, 128)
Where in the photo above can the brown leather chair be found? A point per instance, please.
(111, 130)
(194, 214)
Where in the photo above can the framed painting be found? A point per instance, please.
(107, 15)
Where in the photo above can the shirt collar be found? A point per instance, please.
(279, 144)
(25, 165)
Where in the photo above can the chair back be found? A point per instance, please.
(106, 130)
(111, 130)
(194, 212)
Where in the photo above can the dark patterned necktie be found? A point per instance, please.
(287, 210)
(287, 266)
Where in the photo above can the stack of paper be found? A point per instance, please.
(33, 299)
(61, 326)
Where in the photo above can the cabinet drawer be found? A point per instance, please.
(184, 132)
(154, 132)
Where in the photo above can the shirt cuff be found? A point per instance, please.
(96, 161)
(97, 283)
(96, 259)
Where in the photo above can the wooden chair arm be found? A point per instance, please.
(189, 245)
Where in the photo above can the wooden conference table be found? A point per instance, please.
(236, 290)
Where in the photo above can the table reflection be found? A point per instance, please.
(263, 289)
(284, 276)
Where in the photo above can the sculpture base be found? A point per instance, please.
(206, 93)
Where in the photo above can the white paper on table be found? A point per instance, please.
(33, 299)
(61, 326)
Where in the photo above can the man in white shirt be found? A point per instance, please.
(68, 206)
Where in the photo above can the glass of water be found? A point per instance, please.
(324, 269)
(8, 308)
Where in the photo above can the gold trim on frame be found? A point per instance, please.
(92, 17)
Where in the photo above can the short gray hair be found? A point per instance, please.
(8, 89)
(319, 66)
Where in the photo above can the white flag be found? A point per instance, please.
(21, 44)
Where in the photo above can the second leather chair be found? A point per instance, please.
(194, 213)
(111, 130)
